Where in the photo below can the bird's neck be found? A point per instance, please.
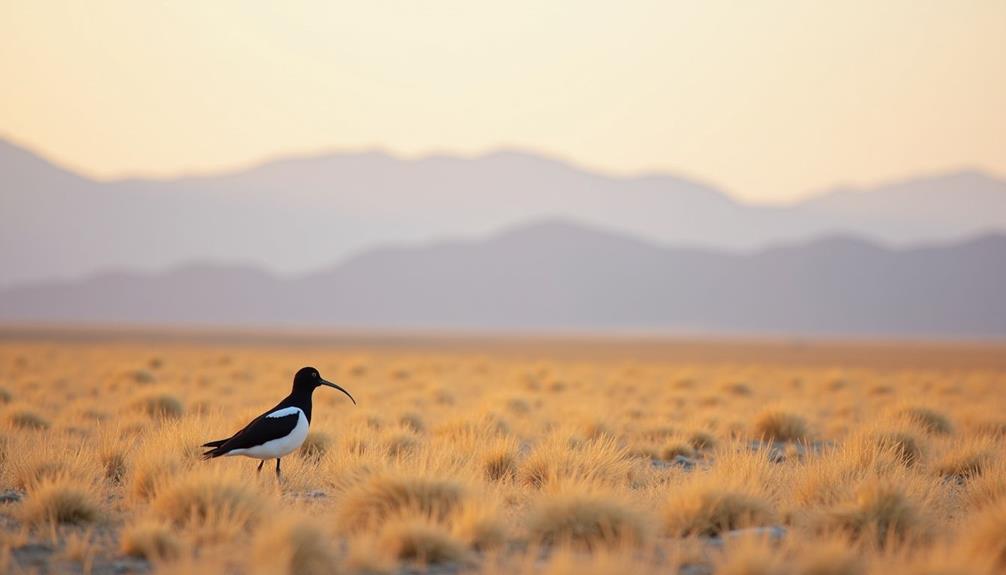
(301, 398)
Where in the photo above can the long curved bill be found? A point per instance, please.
(330, 384)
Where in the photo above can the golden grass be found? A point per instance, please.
(523, 460)
(585, 520)
(151, 540)
(59, 501)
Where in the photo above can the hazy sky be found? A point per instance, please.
(768, 98)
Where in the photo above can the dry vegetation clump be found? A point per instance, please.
(499, 459)
(587, 520)
(150, 540)
(384, 496)
(161, 406)
(28, 420)
(60, 500)
(207, 499)
(5, 396)
(699, 509)
(294, 546)
(928, 420)
(881, 511)
(987, 488)
(420, 540)
(562, 458)
(778, 425)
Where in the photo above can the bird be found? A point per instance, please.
(279, 431)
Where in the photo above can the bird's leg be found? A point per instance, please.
(260, 464)
(277, 468)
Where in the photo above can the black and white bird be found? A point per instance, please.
(279, 431)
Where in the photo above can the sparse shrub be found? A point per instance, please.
(161, 406)
(776, 425)
(59, 501)
(294, 546)
(419, 540)
(708, 511)
(25, 419)
(585, 520)
(382, 497)
(880, 511)
(926, 419)
(5, 396)
(150, 540)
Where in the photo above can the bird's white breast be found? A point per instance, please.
(281, 446)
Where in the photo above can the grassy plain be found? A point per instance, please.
(470, 455)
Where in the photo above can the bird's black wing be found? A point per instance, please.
(259, 431)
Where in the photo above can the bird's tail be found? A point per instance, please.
(215, 452)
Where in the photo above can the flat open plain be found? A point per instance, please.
(503, 455)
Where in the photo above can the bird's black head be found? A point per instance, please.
(308, 379)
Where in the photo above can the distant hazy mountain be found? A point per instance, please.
(299, 214)
(556, 275)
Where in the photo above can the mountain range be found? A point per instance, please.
(560, 275)
(294, 215)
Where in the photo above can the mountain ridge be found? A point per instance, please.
(301, 213)
(557, 275)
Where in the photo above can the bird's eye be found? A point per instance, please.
(315, 374)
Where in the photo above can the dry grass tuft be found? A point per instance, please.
(59, 500)
(150, 540)
(382, 497)
(964, 464)
(5, 396)
(27, 419)
(421, 541)
(700, 510)
(296, 547)
(585, 520)
(204, 498)
(500, 460)
(559, 459)
(926, 419)
(777, 425)
(161, 406)
(881, 511)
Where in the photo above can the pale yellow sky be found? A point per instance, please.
(769, 99)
